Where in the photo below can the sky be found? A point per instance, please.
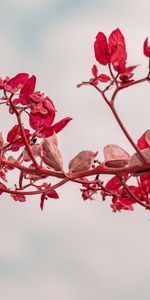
(74, 250)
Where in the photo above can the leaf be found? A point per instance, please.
(13, 133)
(18, 81)
(117, 48)
(101, 49)
(1, 141)
(113, 184)
(94, 71)
(103, 78)
(57, 127)
(51, 194)
(115, 156)
(34, 150)
(144, 140)
(146, 48)
(135, 159)
(3, 188)
(82, 161)
(27, 89)
(18, 197)
(51, 154)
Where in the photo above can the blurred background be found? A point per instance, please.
(74, 250)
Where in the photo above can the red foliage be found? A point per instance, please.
(37, 155)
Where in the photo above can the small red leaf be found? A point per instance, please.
(3, 188)
(42, 201)
(52, 194)
(146, 48)
(18, 197)
(94, 71)
(144, 140)
(103, 78)
(27, 89)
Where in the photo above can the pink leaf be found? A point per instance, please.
(34, 150)
(135, 159)
(115, 156)
(82, 161)
(1, 140)
(51, 154)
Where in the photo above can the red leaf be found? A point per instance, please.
(27, 89)
(38, 120)
(101, 49)
(52, 194)
(18, 197)
(42, 201)
(18, 81)
(146, 48)
(113, 184)
(103, 78)
(144, 140)
(145, 181)
(94, 71)
(15, 139)
(117, 48)
(13, 133)
(3, 188)
(57, 127)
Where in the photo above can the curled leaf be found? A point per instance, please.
(51, 154)
(146, 48)
(144, 140)
(135, 159)
(82, 161)
(1, 141)
(34, 150)
(18, 197)
(115, 156)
